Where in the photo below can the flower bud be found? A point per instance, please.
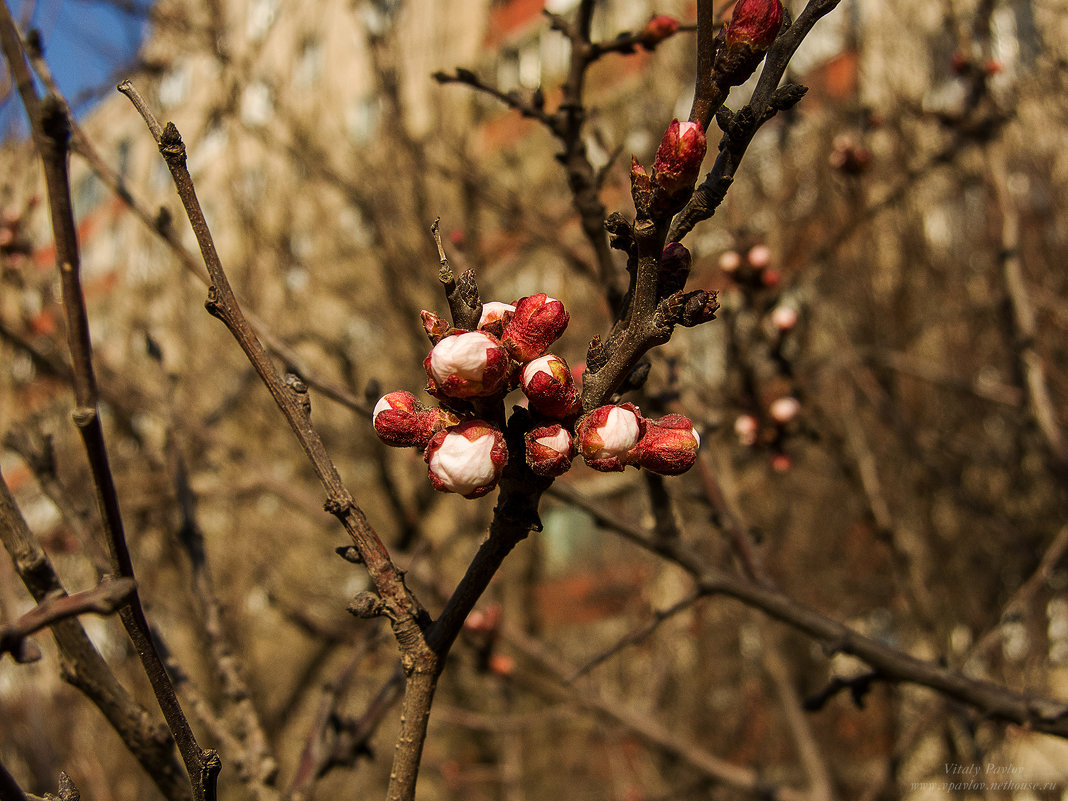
(550, 450)
(759, 256)
(754, 24)
(746, 429)
(783, 410)
(401, 421)
(606, 436)
(657, 30)
(467, 364)
(495, 316)
(669, 445)
(678, 163)
(466, 459)
(784, 317)
(752, 30)
(549, 387)
(537, 323)
(674, 269)
(729, 261)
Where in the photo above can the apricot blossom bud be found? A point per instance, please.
(606, 436)
(729, 261)
(467, 364)
(752, 30)
(537, 323)
(755, 24)
(678, 161)
(549, 387)
(746, 429)
(401, 421)
(466, 459)
(550, 450)
(657, 30)
(783, 410)
(495, 316)
(784, 317)
(669, 445)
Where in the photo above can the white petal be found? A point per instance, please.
(464, 465)
(463, 355)
(619, 433)
(559, 442)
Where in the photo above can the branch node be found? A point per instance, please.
(83, 416)
(366, 605)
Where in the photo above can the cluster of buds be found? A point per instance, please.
(753, 269)
(781, 418)
(470, 372)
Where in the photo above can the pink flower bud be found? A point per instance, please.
(537, 323)
(466, 459)
(607, 436)
(550, 450)
(730, 261)
(746, 428)
(783, 410)
(781, 462)
(657, 30)
(549, 387)
(755, 24)
(467, 364)
(784, 317)
(678, 159)
(495, 316)
(669, 445)
(401, 421)
(759, 256)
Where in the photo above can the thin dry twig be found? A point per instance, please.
(104, 599)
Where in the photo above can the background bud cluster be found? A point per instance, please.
(469, 373)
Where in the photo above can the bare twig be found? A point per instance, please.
(992, 700)
(103, 599)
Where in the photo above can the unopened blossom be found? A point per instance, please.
(784, 317)
(495, 316)
(669, 445)
(548, 385)
(550, 450)
(752, 30)
(730, 261)
(467, 364)
(678, 162)
(746, 428)
(783, 410)
(401, 421)
(466, 459)
(657, 30)
(606, 436)
(759, 256)
(538, 321)
(754, 24)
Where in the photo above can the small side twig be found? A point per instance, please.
(104, 599)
